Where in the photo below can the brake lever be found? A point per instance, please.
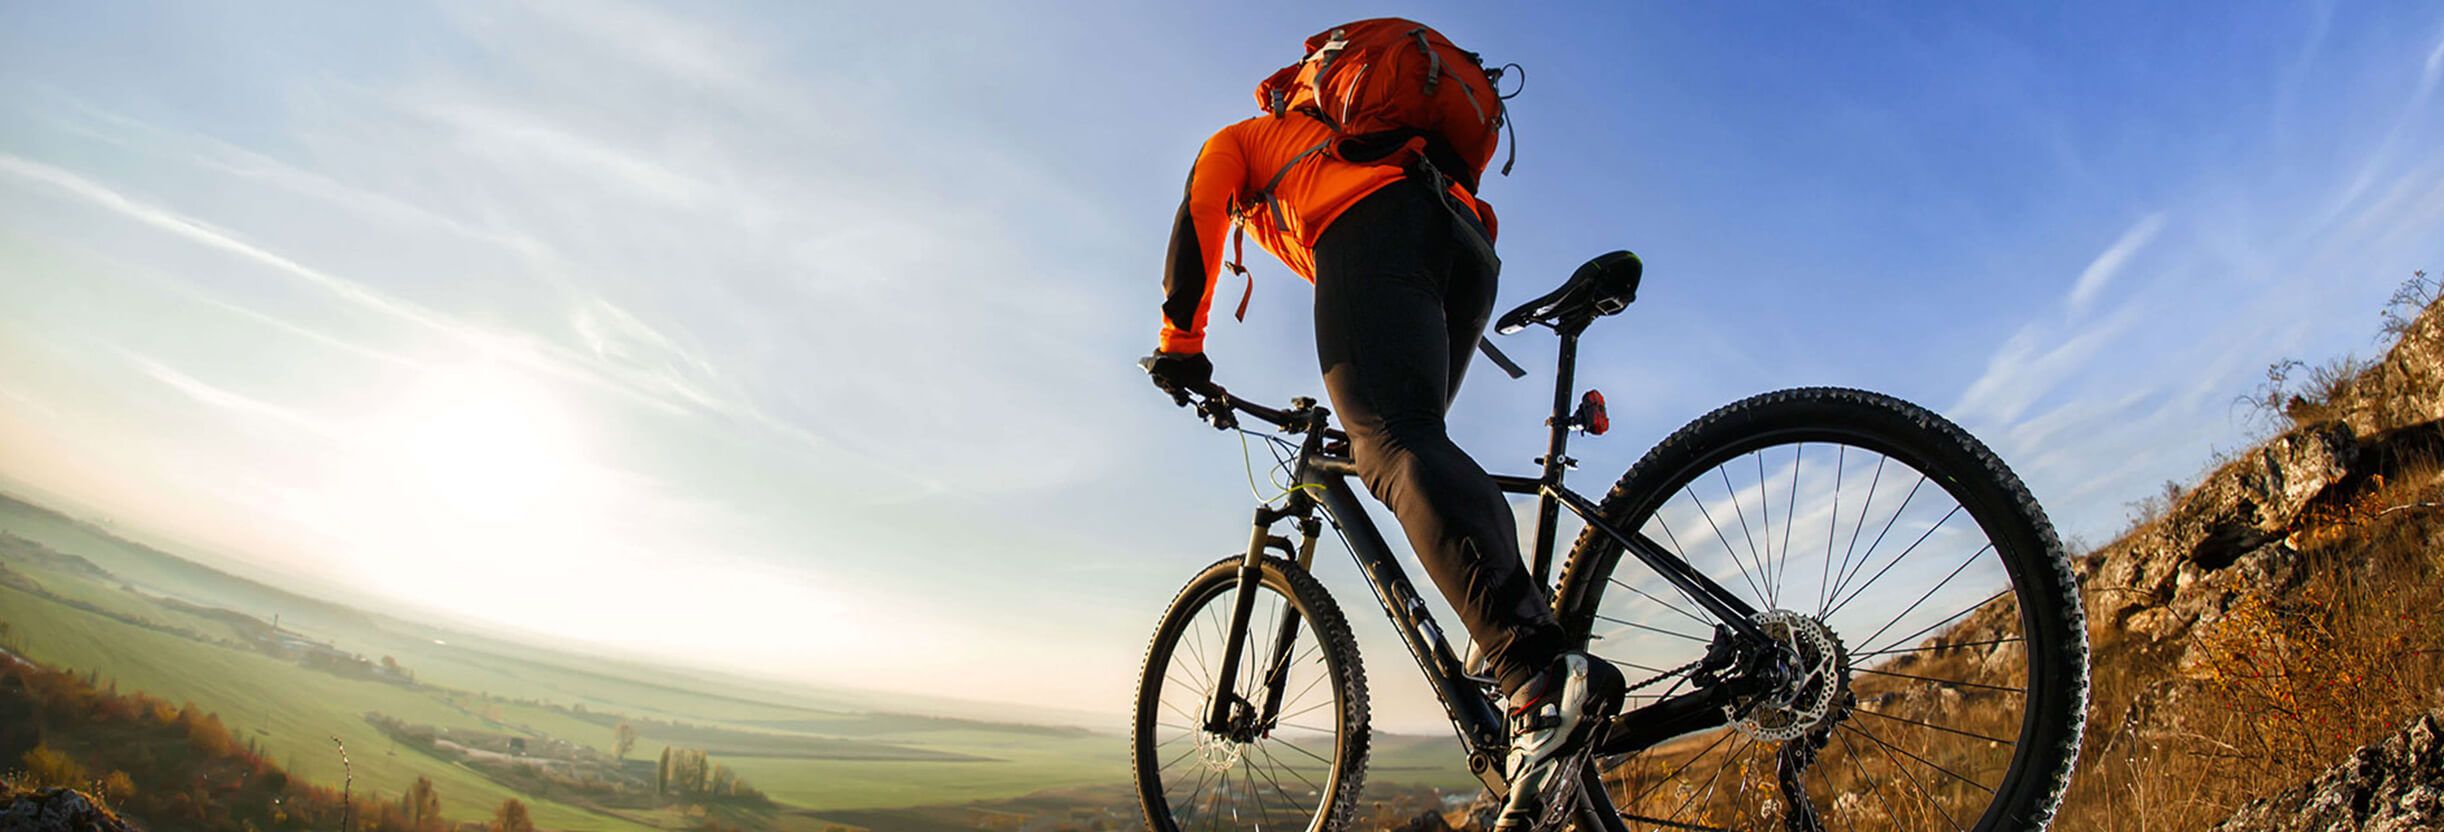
(1216, 409)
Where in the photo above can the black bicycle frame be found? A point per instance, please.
(1324, 483)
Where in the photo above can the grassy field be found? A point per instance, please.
(809, 752)
(291, 712)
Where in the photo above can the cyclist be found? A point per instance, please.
(1400, 252)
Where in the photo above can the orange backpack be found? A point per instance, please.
(1389, 75)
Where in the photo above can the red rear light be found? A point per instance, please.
(1591, 416)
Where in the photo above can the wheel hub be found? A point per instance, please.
(1217, 751)
(1803, 701)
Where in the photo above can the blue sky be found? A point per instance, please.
(798, 337)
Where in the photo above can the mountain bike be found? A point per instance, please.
(1838, 611)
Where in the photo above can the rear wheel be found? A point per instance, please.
(1295, 762)
(1922, 587)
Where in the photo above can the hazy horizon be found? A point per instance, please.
(797, 342)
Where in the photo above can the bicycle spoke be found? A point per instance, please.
(1920, 788)
(1203, 782)
(1851, 754)
(1305, 711)
(1310, 754)
(1765, 506)
(1934, 726)
(1856, 526)
(1666, 604)
(1247, 779)
(1726, 541)
(1896, 561)
(1946, 621)
(1742, 512)
(1275, 784)
(1192, 750)
(1841, 455)
(1939, 585)
(1869, 555)
(1705, 794)
(1951, 646)
(1213, 818)
(1953, 682)
(1684, 558)
(1790, 511)
(1293, 770)
(1653, 629)
(1183, 714)
(1907, 753)
(1701, 754)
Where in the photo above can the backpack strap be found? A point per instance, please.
(1266, 196)
(1238, 233)
(1434, 62)
(1504, 114)
(1238, 254)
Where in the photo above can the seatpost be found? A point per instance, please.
(1556, 459)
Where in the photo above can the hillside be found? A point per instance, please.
(2267, 621)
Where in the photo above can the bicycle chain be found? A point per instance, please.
(1664, 675)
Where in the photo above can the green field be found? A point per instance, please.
(291, 712)
(809, 751)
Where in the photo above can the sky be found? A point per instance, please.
(799, 338)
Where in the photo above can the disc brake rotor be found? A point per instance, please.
(1778, 716)
(1218, 752)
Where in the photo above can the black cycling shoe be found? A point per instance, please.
(1551, 726)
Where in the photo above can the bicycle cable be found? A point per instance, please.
(1247, 459)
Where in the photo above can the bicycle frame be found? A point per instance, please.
(1467, 701)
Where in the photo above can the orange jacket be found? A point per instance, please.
(1228, 184)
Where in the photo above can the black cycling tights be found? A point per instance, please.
(1399, 307)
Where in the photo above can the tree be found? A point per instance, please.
(422, 805)
(512, 818)
(661, 773)
(623, 739)
(45, 766)
(118, 787)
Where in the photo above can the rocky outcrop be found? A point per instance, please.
(2405, 388)
(57, 810)
(2163, 578)
(2237, 528)
(2393, 786)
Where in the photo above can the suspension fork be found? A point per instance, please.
(1286, 637)
(1243, 608)
(1299, 506)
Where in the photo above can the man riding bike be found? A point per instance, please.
(1388, 228)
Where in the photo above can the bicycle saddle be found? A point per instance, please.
(1604, 286)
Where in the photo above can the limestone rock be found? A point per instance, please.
(2393, 786)
(57, 810)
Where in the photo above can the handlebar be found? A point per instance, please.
(1220, 402)
(1220, 407)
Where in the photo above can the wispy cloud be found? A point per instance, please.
(256, 412)
(2102, 270)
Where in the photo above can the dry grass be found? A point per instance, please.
(1884, 767)
(2180, 733)
(2279, 687)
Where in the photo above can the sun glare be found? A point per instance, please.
(483, 445)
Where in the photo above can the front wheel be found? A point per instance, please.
(1290, 753)
(1935, 615)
